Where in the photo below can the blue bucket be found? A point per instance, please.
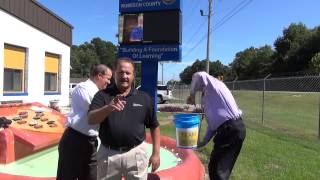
(187, 129)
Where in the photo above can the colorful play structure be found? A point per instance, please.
(30, 153)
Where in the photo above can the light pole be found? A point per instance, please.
(161, 73)
(209, 32)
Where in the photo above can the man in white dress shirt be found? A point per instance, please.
(78, 145)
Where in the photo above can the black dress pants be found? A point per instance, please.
(227, 145)
(77, 156)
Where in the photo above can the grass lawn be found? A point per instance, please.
(294, 114)
(267, 153)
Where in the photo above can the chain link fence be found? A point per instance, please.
(290, 105)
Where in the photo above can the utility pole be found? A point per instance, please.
(209, 33)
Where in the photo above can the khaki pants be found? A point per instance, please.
(115, 164)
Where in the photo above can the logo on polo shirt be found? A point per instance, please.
(137, 105)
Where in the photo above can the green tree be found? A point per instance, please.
(171, 83)
(74, 62)
(106, 51)
(111, 53)
(83, 58)
(186, 75)
(312, 49)
(253, 62)
(314, 64)
(216, 69)
(242, 61)
(87, 59)
(87, 55)
(291, 54)
(315, 41)
(264, 60)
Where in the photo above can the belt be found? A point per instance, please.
(73, 131)
(121, 148)
(226, 123)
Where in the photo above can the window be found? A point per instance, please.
(14, 69)
(51, 80)
(12, 80)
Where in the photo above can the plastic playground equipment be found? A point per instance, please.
(29, 152)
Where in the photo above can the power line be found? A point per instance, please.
(200, 25)
(196, 45)
(233, 10)
(191, 5)
(197, 31)
(227, 17)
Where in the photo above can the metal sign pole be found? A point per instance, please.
(149, 78)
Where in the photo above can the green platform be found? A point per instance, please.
(44, 164)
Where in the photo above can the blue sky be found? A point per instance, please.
(257, 24)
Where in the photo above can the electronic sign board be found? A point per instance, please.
(150, 28)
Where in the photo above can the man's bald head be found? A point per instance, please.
(99, 69)
(101, 75)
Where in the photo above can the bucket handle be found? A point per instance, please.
(199, 130)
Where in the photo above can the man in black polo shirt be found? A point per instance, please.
(123, 113)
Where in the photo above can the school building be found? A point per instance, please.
(34, 53)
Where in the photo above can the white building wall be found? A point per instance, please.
(13, 31)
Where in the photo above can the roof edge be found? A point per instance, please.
(51, 12)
